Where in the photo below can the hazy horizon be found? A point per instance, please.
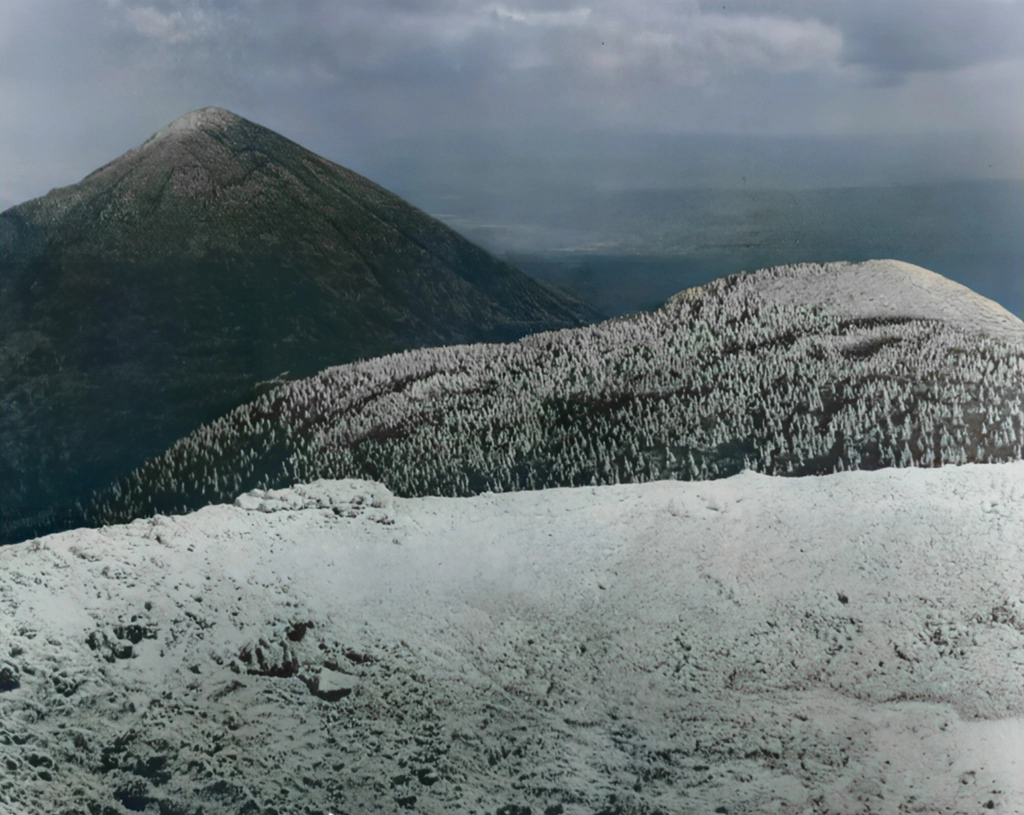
(691, 93)
(536, 126)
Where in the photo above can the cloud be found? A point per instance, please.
(696, 48)
(572, 17)
(358, 71)
(933, 36)
(889, 40)
(179, 23)
(420, 42)
(674, 40)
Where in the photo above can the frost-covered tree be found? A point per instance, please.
(712, 383)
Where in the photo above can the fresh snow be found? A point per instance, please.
(885, 288)
(848, 643)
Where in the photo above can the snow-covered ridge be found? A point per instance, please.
(849, 643)
(880, 289)
(717, 381)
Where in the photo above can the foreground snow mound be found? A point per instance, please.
(849, 643)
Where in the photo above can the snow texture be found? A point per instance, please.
(847, 643)
(720, 380)
(886, 288)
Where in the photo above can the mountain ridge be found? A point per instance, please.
(157, 292)
(880, 289)
(719, 380)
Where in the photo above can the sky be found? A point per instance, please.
(397, 87)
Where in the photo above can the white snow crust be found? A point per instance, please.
(886, 288)
(850, 643)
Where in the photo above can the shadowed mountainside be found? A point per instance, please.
(793, 371)
(159, 291)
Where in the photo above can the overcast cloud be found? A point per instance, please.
(81, 82)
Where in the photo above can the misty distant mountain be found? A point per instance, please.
(630, 243)
(791, 371)
(160, 290)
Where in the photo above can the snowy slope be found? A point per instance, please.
(848, 643)
(882, 289)
(883, 364)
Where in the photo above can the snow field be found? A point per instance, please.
(848, 643)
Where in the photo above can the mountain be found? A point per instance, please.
(844, 644)
(159, 291)
(799, 370)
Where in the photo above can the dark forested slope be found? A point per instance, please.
(160, 290)
(793, 371)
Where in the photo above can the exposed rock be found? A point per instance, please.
(331, 685)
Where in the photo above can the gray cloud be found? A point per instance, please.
(449, 48)
(936, 36)
(893, 38)
(172, 26)
(80, 82)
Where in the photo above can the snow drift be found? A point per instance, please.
(848, 643)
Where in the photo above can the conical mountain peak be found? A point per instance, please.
(166, 285)
(200, 120)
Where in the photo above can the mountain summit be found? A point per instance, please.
(161, 289)
(878, 290)
(212, 189)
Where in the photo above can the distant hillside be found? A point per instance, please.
(792, 371)
(159, 291)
